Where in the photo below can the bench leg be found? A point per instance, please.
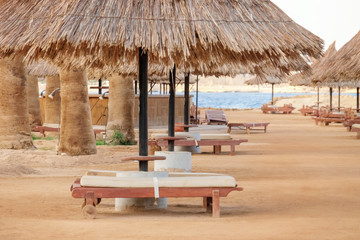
(232, 149)
(358, 135)
(207, 203)
(265, 129)
(217, 149)
(215, 203)
(229, 130)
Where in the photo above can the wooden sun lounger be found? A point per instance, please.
(306, 110)
(356, 128)
(327, 120)
(248, 126)
(286, 109)
(348, 123)
(216, 143)
(215, 117)
(43, 129)
(93, 195)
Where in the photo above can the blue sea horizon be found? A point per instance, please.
(241, 100)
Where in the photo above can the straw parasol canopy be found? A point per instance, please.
(317, 68)
(42, 68)
(192, 34)
(344, 66)
(267, 79)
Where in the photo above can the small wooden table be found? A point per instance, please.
(143, 158)
(248, 126)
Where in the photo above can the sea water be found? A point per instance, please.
(242, 100)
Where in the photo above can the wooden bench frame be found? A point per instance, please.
(349, 122)
(309, 111)
(93, 195)
(357, 130)
(43, 129)
(326, 120)
(286, 109)
(248, 126)
(216, 117)
(216, 143)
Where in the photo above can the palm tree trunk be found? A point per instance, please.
(76, 132)
(14, 118)
(121, 108)
(52, 106)
(33, 101)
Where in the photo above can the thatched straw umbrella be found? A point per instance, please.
(193, 34)
(317, 68)
(344, 67)
(267, 80)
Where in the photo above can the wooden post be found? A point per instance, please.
(171, 118)
(186, 105)
(136, 83)
(339, 99)
(318, 97)
(100, 86)
(272, 94)
(216, 203)
(331, 99)
(357, 100)
(197, 99)
(143, 121)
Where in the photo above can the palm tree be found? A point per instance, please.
(76, 132)
(33, 101)
(121, 107)
(52, 106)
(14, 119)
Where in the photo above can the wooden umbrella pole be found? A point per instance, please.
(171, 118)
(318, 97)
(272, 94)
(197, 99)
(143, 120)
(100, 86)
(186, 105)
(331, 98)
(339, 99)
(357, 100)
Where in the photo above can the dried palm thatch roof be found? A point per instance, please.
(317, 68)
(258, 80)
(193, 34)
(344, 66)
(42, 69)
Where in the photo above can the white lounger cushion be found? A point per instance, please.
(220, 136)
(144, 182)
(112, 173)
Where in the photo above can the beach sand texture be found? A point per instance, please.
(301, 181)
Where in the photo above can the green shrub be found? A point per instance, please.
(41, 138)
(100, 142)
(118, 139)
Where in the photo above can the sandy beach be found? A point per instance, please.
(300, 181)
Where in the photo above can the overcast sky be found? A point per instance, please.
(329, 19)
